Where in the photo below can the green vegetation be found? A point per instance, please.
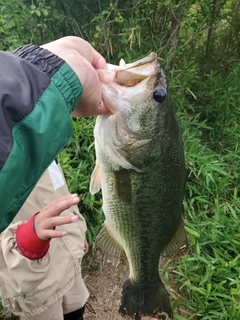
(209, 276)
(198, 44)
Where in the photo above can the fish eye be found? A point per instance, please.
(159, 95)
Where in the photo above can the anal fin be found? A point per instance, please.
(108, 245)
(178, 245)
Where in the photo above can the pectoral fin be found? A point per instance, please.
(178, 245)
(95, 183)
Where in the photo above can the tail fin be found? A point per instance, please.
(138, 301)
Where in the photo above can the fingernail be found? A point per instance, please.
(75, 198)
(64, 233)
(74, 218)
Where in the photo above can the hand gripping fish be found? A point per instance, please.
(140, 169)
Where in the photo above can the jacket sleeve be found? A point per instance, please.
(18, 275)
(28, 242)
(38, 92)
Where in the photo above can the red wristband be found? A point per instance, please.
(29, 243)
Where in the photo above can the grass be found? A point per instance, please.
(209, 276)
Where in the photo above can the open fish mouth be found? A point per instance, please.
(133, 73)
(144, 75)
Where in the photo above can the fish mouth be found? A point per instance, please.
(133, 73)
(133, 82)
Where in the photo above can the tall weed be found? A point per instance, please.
(208, 277)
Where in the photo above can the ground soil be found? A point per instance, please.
(104, 282)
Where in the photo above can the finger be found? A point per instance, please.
(44, 228)
(53, 222)
(91, 101)
(98, 61)
(66, 48)
(49, 234)
(85, 49)
(102, 109)
(54, 208)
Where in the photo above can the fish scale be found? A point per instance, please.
(140, 168)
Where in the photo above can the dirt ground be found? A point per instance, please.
(104, 282)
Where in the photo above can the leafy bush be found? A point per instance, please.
(21, 23)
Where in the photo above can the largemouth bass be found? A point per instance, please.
(140, 169)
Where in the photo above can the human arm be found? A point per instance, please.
(38, 92)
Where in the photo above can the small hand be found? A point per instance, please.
(49, 217)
